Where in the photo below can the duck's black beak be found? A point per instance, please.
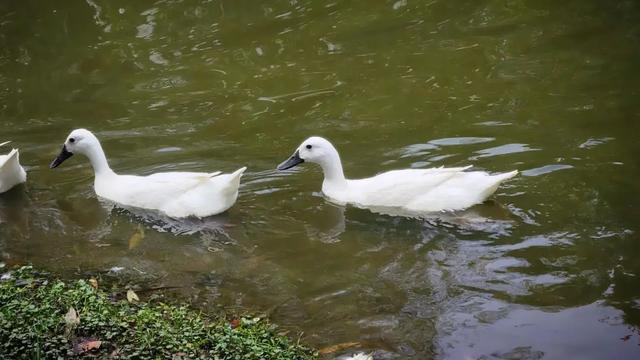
(64, 155)
(291, 162)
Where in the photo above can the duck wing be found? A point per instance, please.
(182, 176)
(459, 192)
(399, 187)
(213, 196)
(151, 191)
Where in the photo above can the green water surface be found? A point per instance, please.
(550, 268)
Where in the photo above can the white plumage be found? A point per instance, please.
(176, 194)
(413, 190)
(359, 356)
(11, 172)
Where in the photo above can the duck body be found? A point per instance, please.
(428, 190)
(413, 190)
(11, 172)
(176, 194)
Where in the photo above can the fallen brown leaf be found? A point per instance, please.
(132, 296)
(72, 317)
(71, 320)
(94, 283)
(234, 323)
(85, 345)
(115, 354)
(136, 238)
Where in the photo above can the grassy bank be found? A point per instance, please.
(42, 317)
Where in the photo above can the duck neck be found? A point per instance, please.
(99, 161)
(333, 174)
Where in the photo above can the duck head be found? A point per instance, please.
(320, 151)
(315, 150)
(80, 141)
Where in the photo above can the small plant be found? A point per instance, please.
(50, 319)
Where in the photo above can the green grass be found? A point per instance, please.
(33, 325)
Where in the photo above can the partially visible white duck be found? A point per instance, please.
(359, 356)
(11, 173)
(176, 194)
(413, 190)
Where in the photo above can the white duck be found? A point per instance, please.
(11, 173)
(359, 356)
(176, 194)
(412, 190)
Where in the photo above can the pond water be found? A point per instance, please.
(548, 268)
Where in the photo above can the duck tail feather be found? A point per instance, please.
(509, 175)
(13, 159)
(234, 180)
(236, 175)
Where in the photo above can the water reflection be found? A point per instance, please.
(502, 150)
(212, 226)
(500, 330)
(545, 169)
(330, 225)
(11, 204)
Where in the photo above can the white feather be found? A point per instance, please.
(176, 194)
(11, 172)
(359, 356)
(413, 190)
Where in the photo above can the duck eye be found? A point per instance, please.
(309, 146)
(72, 140)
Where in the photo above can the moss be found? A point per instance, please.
(33, 325)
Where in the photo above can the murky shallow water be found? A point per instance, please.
(549, 268)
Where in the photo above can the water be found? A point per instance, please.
(548, 268)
